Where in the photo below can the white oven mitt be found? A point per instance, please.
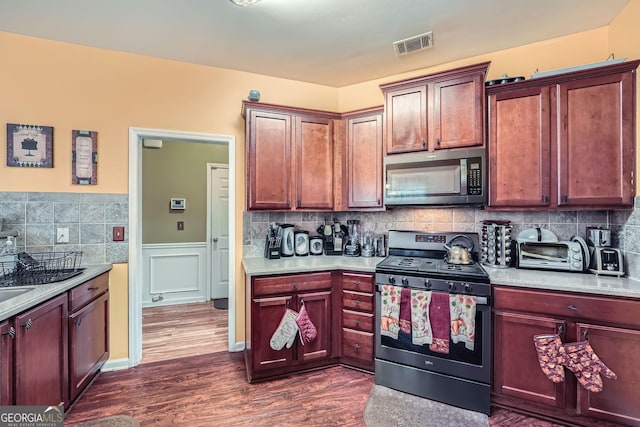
(286, 331)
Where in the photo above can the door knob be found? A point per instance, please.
(215, 240)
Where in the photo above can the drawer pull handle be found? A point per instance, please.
(93, 288)
(356, 302)
(356, 346)
(27, 325)
(11, 332)
(295, 284)
(356, 283)
(357, 322)
(572, 307)
(585, 334)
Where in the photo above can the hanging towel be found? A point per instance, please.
(463, 319)
(420, 325)
(390, 311)
(405, 311)
(439, 316)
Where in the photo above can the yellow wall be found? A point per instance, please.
(74, 87)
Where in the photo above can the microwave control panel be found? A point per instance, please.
(474, 176)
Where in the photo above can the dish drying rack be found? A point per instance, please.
(40, 268)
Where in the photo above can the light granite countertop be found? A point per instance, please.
(534, 279)
(42, 293)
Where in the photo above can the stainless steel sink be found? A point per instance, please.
(8, 293)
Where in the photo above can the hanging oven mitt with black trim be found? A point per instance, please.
(307, 329)
(286, 331)
(587, 366)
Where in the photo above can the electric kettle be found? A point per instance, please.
(287, 247)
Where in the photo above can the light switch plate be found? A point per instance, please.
(118, 234)
(62, 235)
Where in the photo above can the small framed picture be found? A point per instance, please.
(84, 161)
(29, 146)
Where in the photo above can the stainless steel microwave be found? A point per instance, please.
(449, 177)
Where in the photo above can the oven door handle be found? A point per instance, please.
(479, 300)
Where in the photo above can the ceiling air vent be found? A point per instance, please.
(412, 44)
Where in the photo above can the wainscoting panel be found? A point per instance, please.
(174, 273)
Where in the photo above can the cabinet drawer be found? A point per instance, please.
(358, 282)
(565, 305)
(357, 344)
(357, 301)
(359, 321)
(293, 283)
(82, 294)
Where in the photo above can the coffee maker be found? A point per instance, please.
(333, 236)
(604, 259)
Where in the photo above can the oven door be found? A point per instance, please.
(458, 362)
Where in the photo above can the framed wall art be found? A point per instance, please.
(29, 146)
(84, 162)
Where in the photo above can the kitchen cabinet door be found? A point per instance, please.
(269, 160)
(518, 148)
(318, 306)
(596, 134)
(517, 372)
(617, 348)
(364, 162)
(41, 354)
(314, 162)
(7, 334)
(406, 119)
(458, 111)
(88, 343)
(266, 314)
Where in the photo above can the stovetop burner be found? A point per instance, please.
(423, 255)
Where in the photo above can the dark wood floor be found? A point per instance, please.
(212, 390)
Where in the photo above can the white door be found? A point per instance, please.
(219, 199)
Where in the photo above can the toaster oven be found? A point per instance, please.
(561, 256)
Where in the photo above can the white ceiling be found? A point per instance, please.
(330, 42)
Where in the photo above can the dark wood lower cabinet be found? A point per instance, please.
(344, 324)
(7, 333)
(41, 350)
(88, 343)
(612, 327)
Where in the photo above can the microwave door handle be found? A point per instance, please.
(463, 177)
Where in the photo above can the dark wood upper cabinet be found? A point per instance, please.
(438, 111)
(519, 144)
(289, 157)
(564, 141)
(363, 167)
(596, 132)
(314, 162)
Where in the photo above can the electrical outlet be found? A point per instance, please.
(62, 235)
(118, 234)
(180, 225)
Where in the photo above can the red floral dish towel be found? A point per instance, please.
(306, 328)
(439, 315)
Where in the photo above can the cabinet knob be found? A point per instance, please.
(298, 204)
(356, 283)
(288, 203)
(572, 307)
(27, 325)
(357, 322)
(356, 302)
(424, 143)
(356, 346)
(11, 332)
(437, 142)
(77, 322)
(565, 198)
(545, 199)
(379, 202)
(561, 330)
(295, 284)
(585, 335)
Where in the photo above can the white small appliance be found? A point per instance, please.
(302, 243)
(316, 244)
(287, 246)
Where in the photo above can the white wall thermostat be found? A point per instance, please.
(178, 203)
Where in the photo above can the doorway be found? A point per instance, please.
(136, 135)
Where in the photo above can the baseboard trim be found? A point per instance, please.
(115, 365)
